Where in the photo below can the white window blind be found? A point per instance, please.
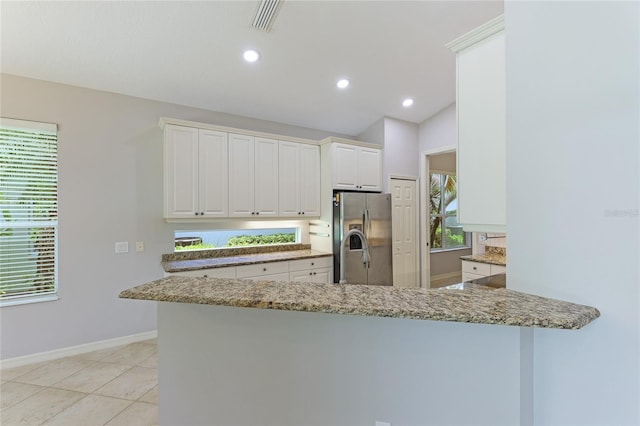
(28, 211)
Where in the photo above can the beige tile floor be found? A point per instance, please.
(117, 386)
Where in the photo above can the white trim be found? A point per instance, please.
(498, 229)
(12, 123)
(334, 139)
(401, 177)
(76, 350)
(476, 35)
(164, 121)
(34, 298)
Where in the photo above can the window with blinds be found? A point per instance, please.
(28, 211)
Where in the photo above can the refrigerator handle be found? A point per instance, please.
(367, 222)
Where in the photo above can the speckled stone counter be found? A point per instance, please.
(472, 305)
(190, 264)
(491, 258)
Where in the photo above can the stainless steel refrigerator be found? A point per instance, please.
(371, 214)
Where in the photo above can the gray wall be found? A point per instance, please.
(439, 131)
(243, 366)
(373, 133)
(573, 194)
(400, 150)
(110, 189)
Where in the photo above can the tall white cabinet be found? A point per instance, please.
(195, 162)
(480, 106)
(299, 179)
(253, 176)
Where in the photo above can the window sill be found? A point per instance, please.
(28, 299)
(438, 250)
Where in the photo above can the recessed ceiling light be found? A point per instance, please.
(342, 83)
(407, 102)
(251, 55)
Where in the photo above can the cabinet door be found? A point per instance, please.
(213, 167)
(309, 180)
(241, 175)
(266, 177)
(322, 276)
(369, 169)
(180, 172)
(481, 135)
(289, 179)
(345, 166)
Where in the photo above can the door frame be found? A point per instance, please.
(417, 217)
(425, 249)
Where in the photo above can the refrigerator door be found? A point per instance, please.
(377, 228)
(352, 207)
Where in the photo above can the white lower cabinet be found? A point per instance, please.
(474, 270)
(315, 270)
(278, 271)
(226, 272)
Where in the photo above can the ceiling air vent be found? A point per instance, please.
(266, 13)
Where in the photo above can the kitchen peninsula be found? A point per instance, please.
(300, 360)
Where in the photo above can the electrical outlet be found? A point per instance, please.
(139, 246)
(482, 238)
(122, 247)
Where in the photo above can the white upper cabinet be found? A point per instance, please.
(253, 176)
(299, 179)
(480, 105)
(195, 173)
(215, 172)
(369, 169)
(310, 180)
(266, 177)
(355, 167)
(213, 165)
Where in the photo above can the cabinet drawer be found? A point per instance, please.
(476, 268)
(260, 269)
(498, 269)
(229, 272)
(316, 262)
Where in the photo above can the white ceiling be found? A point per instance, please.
(190, 53)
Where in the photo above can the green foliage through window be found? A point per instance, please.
(261, 240)
(446, 232)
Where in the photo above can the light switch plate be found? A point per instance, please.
(122, 247)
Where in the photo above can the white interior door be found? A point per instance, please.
(404, 216)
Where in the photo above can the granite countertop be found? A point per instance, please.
(471, 305)
(492, 258)
(179, 265)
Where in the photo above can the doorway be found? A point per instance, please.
(442, 239)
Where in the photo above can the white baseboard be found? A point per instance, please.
(76, 350)
(445, 276)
